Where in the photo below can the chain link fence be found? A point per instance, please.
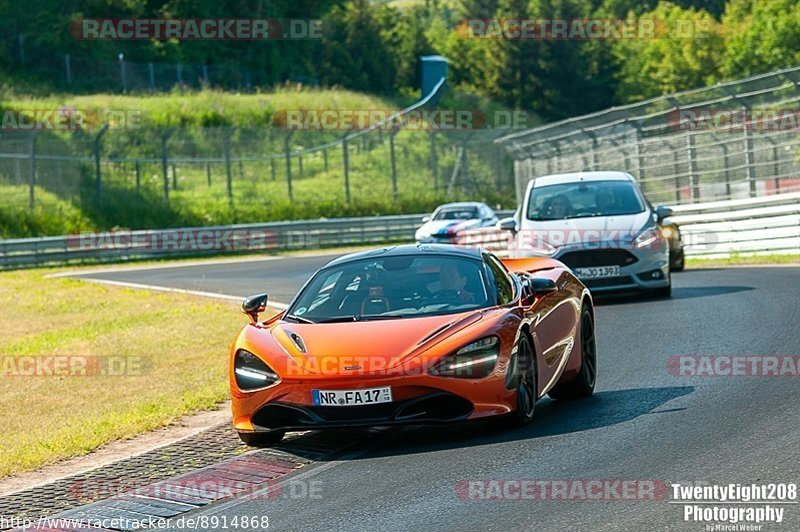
(229, 175)
(731, 140)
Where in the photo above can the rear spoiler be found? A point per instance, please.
(531, 264)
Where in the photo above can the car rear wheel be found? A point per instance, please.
(262, 439)
(583, 384)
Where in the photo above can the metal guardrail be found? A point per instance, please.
(197, 241)
(759, 225)
(769, 224)
(756, 225)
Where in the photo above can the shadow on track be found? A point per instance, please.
(552, 418)
(678, 292)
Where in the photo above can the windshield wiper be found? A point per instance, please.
(298, 319)
(337, 319)
(354, 318)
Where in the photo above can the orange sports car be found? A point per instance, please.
(413, 334)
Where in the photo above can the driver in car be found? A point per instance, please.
(452, 284)
(604, 201)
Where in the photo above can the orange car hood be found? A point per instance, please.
(373, 345)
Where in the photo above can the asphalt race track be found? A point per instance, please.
(643, 423)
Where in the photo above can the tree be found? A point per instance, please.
(760, 36)
(685, 54)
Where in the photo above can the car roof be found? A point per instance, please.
(460, 204)
(575, 177)
(410, 249)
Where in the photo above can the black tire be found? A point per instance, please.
(262, 439)
(583, 384)
(526, 385)
(664, 291)
(679, 263)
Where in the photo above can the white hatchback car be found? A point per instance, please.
(600, 225)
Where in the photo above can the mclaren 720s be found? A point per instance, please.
(412, 335)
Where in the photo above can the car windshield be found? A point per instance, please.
(401, 286)
(581, 200)
(463, 213)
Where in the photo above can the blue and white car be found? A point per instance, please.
(449, 219)
(600, 225)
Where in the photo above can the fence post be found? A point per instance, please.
(272, 168)
(228, 174)
(205, 74)
(300, 165)
(393, 162)
(726, 171)
(164, 138)
(325, 158)
(138, 176)
(17, 172)
(174, 177)
(776, 167)
(750, 170)
(68, 67)
(98, 172)
(690, 153)
(288, 156)
(346, 163)
(152, 71)
(32, 175)
(122, 73)
(208, 173)
(434, 163)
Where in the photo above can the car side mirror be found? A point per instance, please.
(507, 224)
(540, 286)
(426, 219)
(254, 305)
(662, 211)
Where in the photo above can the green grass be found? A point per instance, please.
(744, 260)
(65, 192)
(179, 341)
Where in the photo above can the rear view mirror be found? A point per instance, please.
(254, 305)
(540, 286)
(507, 224)
(662, 211)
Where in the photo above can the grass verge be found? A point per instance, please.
(744, 260)
(167, 353)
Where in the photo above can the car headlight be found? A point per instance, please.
(667, 232)
(473, 361)
(647, 237)
(251, 372)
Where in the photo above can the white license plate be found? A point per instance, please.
(597, 272)
(366, 396)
